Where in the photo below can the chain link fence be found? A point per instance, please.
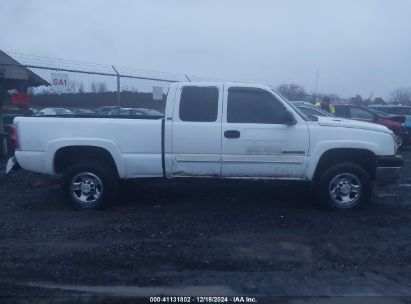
(71, 84)
(51, 86)
(76, 88)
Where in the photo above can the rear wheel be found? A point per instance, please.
(90, 185)
(344, 186)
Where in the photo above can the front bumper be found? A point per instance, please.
(388, 170)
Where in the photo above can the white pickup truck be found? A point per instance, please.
(217, 130)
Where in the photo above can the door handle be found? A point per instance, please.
(232, 134)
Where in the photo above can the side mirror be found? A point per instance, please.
(289, 119)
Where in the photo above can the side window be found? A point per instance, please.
(388, 110)
(253, 106)
(358, 113)
(403, 111)
(342, 111)
(199, 104)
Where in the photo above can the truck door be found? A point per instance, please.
(196, 131)
(255, 140)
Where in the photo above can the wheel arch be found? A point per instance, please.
(60, 154)
(365, 158)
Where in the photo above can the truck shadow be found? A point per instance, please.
(202, 193)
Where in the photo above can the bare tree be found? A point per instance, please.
(357, 100)
(102, 87)
(72, 87)
(401, 96)
(379, 101)
(292, 91)
(80, 88)
(93, 87)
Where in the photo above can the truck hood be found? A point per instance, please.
(349, 123)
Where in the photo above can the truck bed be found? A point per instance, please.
(136, 144)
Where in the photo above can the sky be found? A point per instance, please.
(359, 46)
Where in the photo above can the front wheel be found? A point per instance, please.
(90, 185)
(344, 186)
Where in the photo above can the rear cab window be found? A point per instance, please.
(199, 104)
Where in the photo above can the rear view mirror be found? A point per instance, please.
(289, 119)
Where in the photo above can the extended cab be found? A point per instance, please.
(219, 130)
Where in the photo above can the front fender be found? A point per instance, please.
(325, 146)
(109, 146)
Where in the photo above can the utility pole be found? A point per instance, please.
(118, 87)
(316, 82)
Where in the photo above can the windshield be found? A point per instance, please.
(312, 111)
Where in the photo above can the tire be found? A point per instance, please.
(90, 185)
(344, 186)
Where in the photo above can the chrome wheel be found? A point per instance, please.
(345, 189)
(86, 188)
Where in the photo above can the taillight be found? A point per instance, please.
(396, 146)
(14, 138)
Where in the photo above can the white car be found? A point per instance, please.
(53, 112)
(218, 130)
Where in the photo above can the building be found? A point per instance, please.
(14, 76)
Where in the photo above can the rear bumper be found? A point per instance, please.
(388, 170)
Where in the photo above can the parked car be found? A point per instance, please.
(54, 112)
(9, 130)
(310, 109)
(135, 111)
(397, 110)
(394, 123)
(10, 113)
(220, 130)
(82, 112)
(105, 110)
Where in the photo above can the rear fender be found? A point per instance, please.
(109, 146)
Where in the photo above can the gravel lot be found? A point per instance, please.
(207, 237)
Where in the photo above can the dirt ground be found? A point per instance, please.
(201, 237)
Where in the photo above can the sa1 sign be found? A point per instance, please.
(59, 82)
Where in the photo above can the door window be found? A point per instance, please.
(199, 104)
(246, 105)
